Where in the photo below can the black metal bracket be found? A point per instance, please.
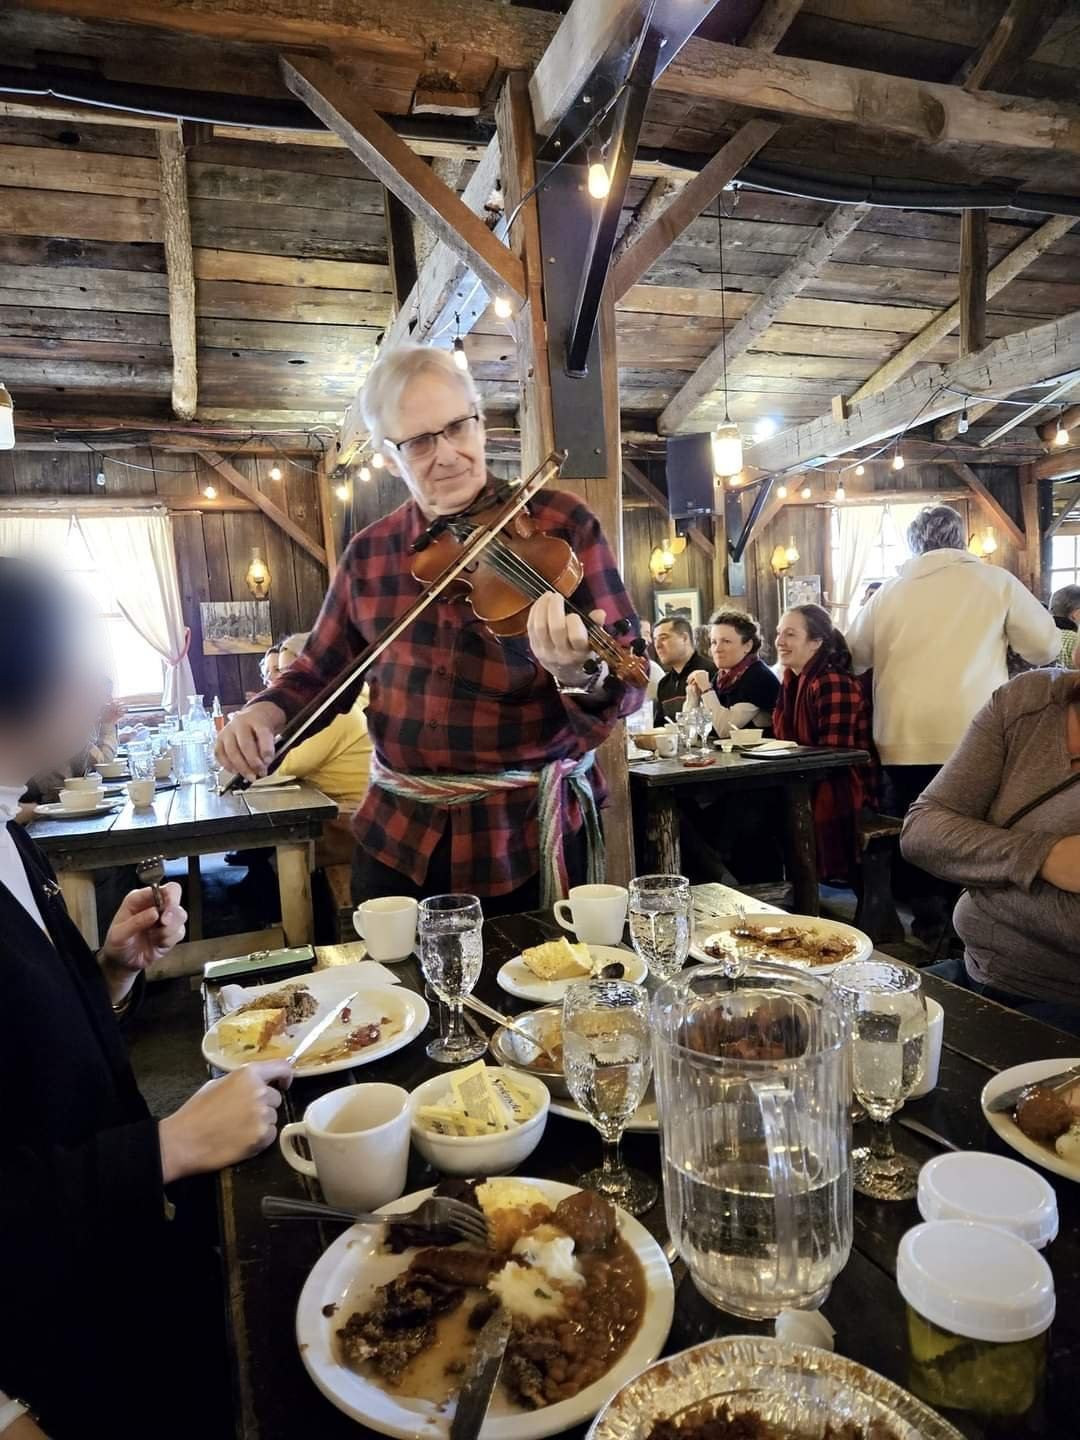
(761, 499)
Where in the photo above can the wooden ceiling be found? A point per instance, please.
(293, 284)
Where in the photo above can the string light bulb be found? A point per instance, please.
(765, 428)
(365, 473)
(342, 491)
(210, 491)
(860, 469)
(99, 479)
(461, 360)
(841, 493)
(1061, 434)
(791, 554)
(378, 460)
(898, 461)
(962, 424)
(781, 492)
(806, 492)
(598, 181)
(275, 472)
(503, 308)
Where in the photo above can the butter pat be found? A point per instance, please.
(478, 1098)
(558, 960)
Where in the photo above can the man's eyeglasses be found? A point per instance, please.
(423, 447)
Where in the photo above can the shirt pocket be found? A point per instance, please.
(487, 667)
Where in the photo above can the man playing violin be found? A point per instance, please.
(483, 778)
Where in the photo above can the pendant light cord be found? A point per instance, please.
(723, 312)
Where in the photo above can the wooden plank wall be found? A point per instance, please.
(213, 549)
(643, 529)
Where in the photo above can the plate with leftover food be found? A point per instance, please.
(1045, 1125)
(387, 1321)
(542, 973)
(753, 1388)
(273, 1019)
(809, 941)
(644, 1121)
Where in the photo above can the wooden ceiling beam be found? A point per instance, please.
(180, 269)
(991, 507)
(1069, 418)
(973, 268)
(1013, 39)
(273, 512)
(34, 504)
(1057, 467)
(943, 324)
(1070, 497)
(685, 208)
(410, 178)
(1015, 362)
(811, 256)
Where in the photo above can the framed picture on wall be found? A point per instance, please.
(801, 590)
(670, 603)
(235, 627)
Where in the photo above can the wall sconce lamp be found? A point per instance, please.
(662, 560)
(783, 558)
(258, 576)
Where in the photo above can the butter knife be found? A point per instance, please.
(1008, 1098)
(480, 1377)
(319, 1030)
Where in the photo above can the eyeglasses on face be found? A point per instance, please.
(423, 447)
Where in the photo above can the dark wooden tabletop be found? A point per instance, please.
(267, 1263)
(737, 769)
(186, 820)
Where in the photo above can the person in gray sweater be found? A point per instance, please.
(1019, 916)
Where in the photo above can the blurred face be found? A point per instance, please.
(65, 722)
(672, 647)
(726, 647)
(794, 646)
(285, 658)
(270, 665)
(445, 477)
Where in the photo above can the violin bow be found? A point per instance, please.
(304, 720)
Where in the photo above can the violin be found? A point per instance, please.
(492, 553)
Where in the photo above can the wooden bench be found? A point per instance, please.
(878, 839)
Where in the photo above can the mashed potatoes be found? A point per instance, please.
(535, 1289)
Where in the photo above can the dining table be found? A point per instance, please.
(186, 821)
(267, 1262)
(658, 785)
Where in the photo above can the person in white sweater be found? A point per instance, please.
(936, 638)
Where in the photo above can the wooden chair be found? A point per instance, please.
(878, 838)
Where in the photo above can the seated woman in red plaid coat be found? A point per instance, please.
(483, 777)
(822, 703)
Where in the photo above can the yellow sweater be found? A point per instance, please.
(337, 759)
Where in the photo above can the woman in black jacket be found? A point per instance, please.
(110, 1319)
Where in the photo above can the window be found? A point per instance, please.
(136, 669)
(1064, 561)
(889, 551)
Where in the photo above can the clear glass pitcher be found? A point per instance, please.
(753, 1081)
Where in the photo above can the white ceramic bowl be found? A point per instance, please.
(480, 1154)
(747, 737)
(83, 782)
(82, 799)
(113, 769)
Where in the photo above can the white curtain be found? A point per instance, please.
(137, 554)
(858, 529)
(41, 537)
(903, 514)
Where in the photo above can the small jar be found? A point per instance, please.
(971, 1185)
(979, 1303)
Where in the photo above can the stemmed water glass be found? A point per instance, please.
(607, 1060)
(451, 944)
(886, 1009)
(661, 907)
(702, 728)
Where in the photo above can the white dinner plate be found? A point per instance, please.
(61, 812)
(356, 1263)
(1006, 1127)
(516, 978)
(407, 1011)
(644, 1121)
(770, 920)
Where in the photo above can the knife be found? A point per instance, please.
(1008, 1098)
(319, 1030)
(480, 1377)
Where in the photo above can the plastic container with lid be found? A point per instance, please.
(992, 1190)
(979, 1303)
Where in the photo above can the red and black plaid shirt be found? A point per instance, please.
(448, 697)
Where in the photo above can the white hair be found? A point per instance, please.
(394, 370)
(936, 527)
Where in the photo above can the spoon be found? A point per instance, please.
(471, 1003)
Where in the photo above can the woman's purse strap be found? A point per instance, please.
(1057, 789)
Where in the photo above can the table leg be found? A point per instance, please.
(194, 899)
(802, 847)
(663, 852)
(77, 888)
(294, 886)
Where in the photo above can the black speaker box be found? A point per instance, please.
(691, 481)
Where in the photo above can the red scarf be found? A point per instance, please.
(725, 679)
(794, 718)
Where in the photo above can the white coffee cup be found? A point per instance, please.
(598, 913)
(163, 766)
(359, 1141)
(141, 793)
(935, 1029)
(82, 799)
(667, 745)
(387, 926)
(92, 781)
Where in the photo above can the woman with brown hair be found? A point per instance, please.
(822, 704)
(1002, 818)
(744, 690)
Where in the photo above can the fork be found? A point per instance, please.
(435, 1213)
(152, 872)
